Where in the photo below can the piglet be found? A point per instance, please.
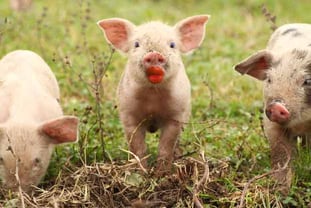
(285, 68)
(31, 119)
(20, 5)
(154, 92)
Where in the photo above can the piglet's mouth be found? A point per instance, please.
(155, 74)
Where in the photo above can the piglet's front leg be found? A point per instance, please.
(136, 139)
(282, 152)
(167, 145)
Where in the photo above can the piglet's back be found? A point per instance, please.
(28, 89)
(31, 119)
(28, 66)
(289, 37)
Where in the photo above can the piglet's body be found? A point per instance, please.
(31, 119)
(154, 92)
(285, 68)
(20, 5)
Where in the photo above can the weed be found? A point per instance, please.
(225, 123)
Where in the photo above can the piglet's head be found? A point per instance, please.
(287, 84)
(154, 48)
(25, 151)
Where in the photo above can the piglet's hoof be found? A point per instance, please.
(163, 168)
(283, 179)
(282, 187)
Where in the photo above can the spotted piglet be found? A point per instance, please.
(154, 92)
(31, 119)
(285, 68)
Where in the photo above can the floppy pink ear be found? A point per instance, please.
(61, 130)
(191, 32)
(117, 32)
(256, 65)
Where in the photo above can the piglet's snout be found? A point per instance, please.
(154, 59)
(154, 64)
(277, 112)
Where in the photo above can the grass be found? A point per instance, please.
(226, 107)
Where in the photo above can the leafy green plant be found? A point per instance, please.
(226, 108)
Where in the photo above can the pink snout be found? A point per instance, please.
(153, 59)
(277, 112)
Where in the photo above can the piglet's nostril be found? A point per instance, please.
(161, 59)
(154, 58)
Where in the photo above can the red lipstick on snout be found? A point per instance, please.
(155, 74)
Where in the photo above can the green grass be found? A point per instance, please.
(225, 122)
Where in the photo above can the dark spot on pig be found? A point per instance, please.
(293, 73)
(290, 30)
(296, 34)
(309, 45)
(299, 54)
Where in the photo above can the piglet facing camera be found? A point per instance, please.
(285, 69)
(31, 119)
(154, 92)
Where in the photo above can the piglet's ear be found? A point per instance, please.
(256, 65)
(117, 32)
(61, 130)
(191, 32)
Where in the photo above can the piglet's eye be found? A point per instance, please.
(172, 45)
(268, 80)
(307, 82)
(1, 159)
(37, 161)
(136, 44)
